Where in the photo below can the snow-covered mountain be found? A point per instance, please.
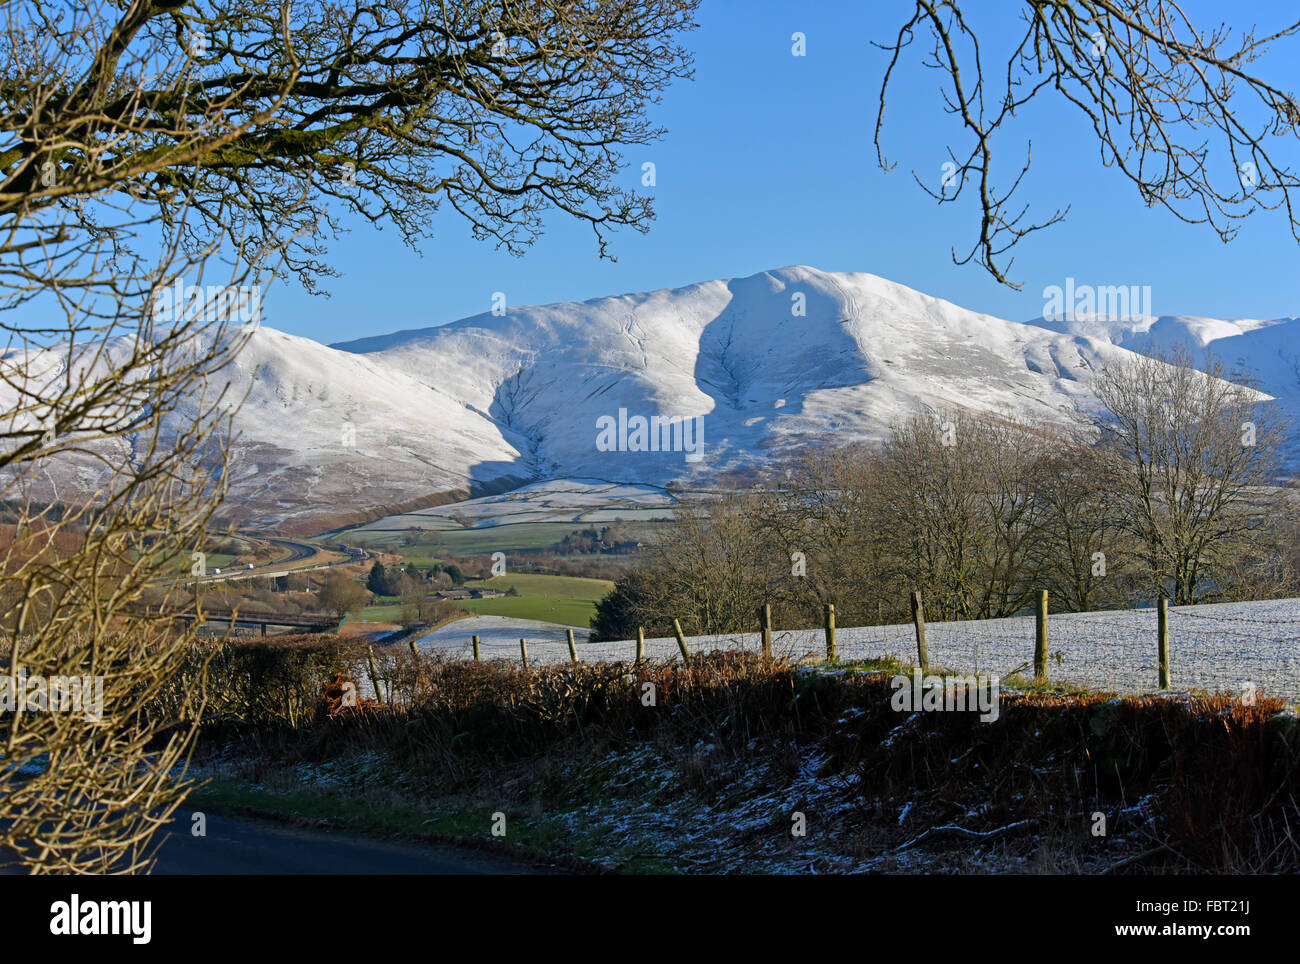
(771, 362)
(762, 366)
(1267, 353)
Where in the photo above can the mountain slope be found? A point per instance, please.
(863, 352)
(769, 363)
(1264, 353)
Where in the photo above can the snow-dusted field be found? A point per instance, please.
(1215, 647)
(560, 500)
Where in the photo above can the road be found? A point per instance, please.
(240, 846)
(298, 551)
(243, 847)
(303, 556)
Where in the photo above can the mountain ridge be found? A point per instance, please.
(769, 363)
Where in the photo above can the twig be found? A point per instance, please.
(953, 828)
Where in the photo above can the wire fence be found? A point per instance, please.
(1234, 648)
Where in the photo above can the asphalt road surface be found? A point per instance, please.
(238, 846)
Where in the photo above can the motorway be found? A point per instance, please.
(298, 550)
(302, 556)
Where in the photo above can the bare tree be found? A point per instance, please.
(1177, 110)
(111, 447)
(827, 514)
(144, 142)
(936, 512)
(416, 606)
(1198, 452)
(502, 109)
(1083, 554)
(341, 595)
(980, 512)
(712, 567)
(977, 511)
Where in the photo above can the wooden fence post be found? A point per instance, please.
(1040, 639)
(415, 650)
(681, 641)
(640, 643)
(523, 652)
(573, 649)
(830, 632)
(374, 673)
(1162, 609)
(765, 623)
(918, 619)
(476, 653)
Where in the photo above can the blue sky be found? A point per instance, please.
(769, 162)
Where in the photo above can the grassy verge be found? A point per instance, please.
(385, 814)
(742, 765)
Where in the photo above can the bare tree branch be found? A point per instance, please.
(1176, 110)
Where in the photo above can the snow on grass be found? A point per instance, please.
(1219, 647)
(577, 501)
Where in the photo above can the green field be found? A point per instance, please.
(412, 556)
(388, 613)
(566, 600)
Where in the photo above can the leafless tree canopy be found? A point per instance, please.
(258, 116)
(1175, 496)
(1178, 110)
(146, 144)
(340, 595)
(1200, 450)
(112, 457)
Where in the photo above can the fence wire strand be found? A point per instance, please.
(1222, 648)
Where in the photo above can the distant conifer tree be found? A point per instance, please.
(377, 581)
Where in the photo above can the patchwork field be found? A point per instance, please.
(533, 517)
